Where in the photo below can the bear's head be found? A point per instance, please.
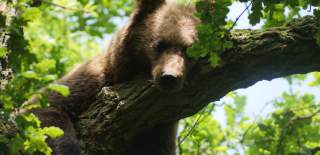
(163, 37)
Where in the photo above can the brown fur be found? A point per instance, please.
(135, 48)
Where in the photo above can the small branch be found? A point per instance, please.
(195, 124)
(315, 150)
(253, 124)
(237, 19)
(64, 7)
(301, 118)
(284, 129)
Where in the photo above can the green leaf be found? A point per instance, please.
(35, 140)
(45, 65)
(48, 78)
(3, 52)
(256, 13)
(3, 20)
(230, 114)
(27, 120)
(29, 75)
(31, 13)
(16, 144)
(61, 89)
(214, 60)
(32, 106)
(53, 132)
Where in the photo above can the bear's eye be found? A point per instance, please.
(161, 46)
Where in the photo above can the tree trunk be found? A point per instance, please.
(121, 111)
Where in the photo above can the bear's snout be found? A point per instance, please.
(169, 72)
(169, 82)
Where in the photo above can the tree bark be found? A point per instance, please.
(125, 109)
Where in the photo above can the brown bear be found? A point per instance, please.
(154, 41)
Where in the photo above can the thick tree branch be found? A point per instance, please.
(123, 110)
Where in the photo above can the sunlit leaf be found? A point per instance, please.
(61, 89)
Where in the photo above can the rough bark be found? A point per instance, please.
(123, 110)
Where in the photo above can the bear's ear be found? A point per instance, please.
(149, 5)
(145, 7)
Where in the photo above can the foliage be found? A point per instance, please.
(214, 30)
(293, 128)
(45, 38)
(39, 53)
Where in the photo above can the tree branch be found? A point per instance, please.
(125, 109)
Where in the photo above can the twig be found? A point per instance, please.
(192, 128)
(64, 7)
(199, 119)
(237, 19)
(226, 37)
(254, 122)
(310, 8)
(248, 7)
(180, 146)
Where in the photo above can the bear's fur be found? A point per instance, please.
(153, 42)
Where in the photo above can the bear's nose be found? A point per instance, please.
(168, 82)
